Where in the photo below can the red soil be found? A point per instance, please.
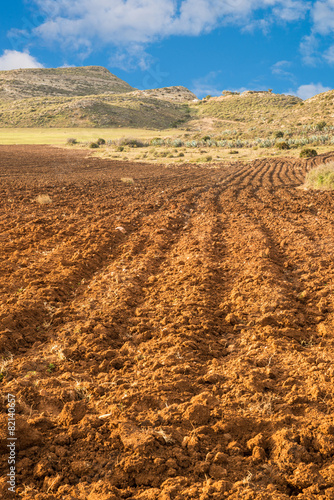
(170, 338)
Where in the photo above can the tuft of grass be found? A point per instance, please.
(43, 199)
(94, 145)
(127, 180)
(51, 367)
(71, 141)
(321, 177)
(204, 159)
(4, 363)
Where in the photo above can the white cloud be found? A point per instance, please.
(206, 85)
(310, 90)
(329, 55)
(280, 69)
(12, 59)
(323, 17)
(87, 24)
(309, 50)
(290, 10)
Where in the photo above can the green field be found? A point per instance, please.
(59, 136)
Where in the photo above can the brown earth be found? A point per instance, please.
(169, 337)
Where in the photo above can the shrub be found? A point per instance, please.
(157, 141)
(321, 125)
(131, 142)
(120, 148)
(321, 177)
(308, 153)
(206, 138)
(282, 145)
(94, 145)
(71, 141)
(233, 152)
(279, 134)
(100, 141)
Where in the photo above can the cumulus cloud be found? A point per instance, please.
(323, 17)
(309, 50)
(83, 23)
(280, 69)
(310, 90)
(12, 59)
(322, 20)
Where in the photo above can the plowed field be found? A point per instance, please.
(167, 332)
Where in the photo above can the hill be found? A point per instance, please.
(118, 110)
(246, 107)
(89, 80)
(93, 97)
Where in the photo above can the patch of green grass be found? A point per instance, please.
(51, 367)
(321, 177)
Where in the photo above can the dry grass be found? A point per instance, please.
(321, 177)
(43, 199)
(127, 180)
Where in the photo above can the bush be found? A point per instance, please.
(321, 177)
(100, 141)
(282, 145)
(233, 152)
(71, 141)
(131, 142)
(279, 134)
(94, 145)
(321, 125)
(308, 153)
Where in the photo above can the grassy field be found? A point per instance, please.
(172, 149)
(59, 136)
(208, 156)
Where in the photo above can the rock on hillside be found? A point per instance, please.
(87, 80)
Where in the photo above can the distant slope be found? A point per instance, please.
(89, 80)
(119, 110)
(93, 97)
(246, 107)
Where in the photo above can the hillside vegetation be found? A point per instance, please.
(265, 112)
(93, 97)
(119, 110)
(25, 83)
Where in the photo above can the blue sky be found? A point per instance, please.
(205, 45)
